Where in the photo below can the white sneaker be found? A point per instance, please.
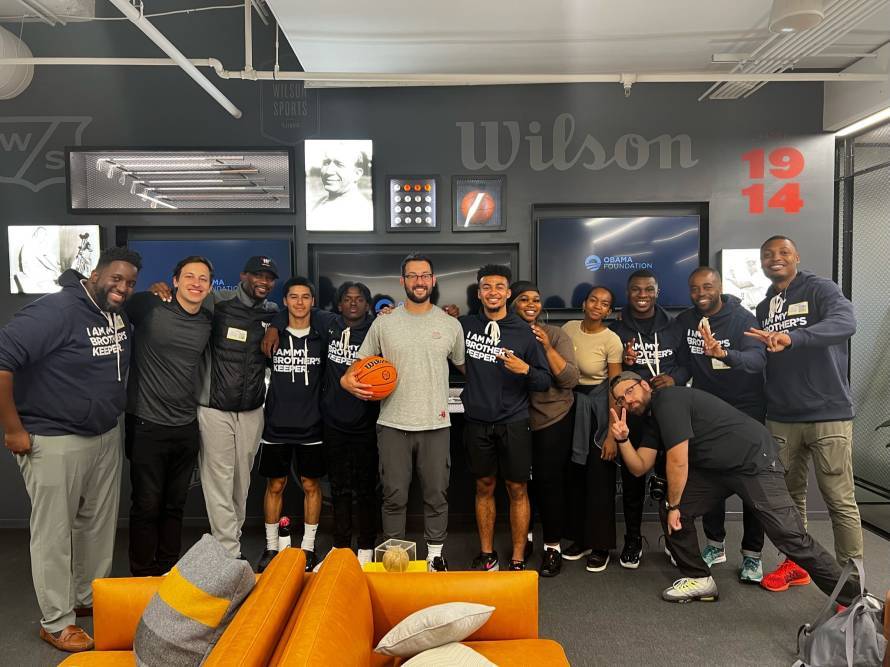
(690, 589)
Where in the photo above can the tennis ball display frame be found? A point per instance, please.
(478, 203)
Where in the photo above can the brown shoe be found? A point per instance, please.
(80, 612)
(72, 639)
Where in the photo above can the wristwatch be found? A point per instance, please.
(671, 508)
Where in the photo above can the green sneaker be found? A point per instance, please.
(752, 570)
(713, 555)
(689, 590)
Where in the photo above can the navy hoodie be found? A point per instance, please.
(69, 360)
(663, 342)
(493, 394)
(737, 379)
(808, 381)
(341, 409)
(293, 402)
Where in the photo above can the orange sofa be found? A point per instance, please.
(344, 612)
(334, 617)
(249, 640)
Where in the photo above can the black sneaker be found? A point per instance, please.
(265, 559)
(551, 564)
(574, 552)
(517, 565)
(632, 553)
(311, 560)
(437, 564)
(597, 561)
(486, 562)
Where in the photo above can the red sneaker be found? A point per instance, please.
(787, 574)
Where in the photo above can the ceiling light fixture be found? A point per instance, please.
(796, 15)
(868, 121)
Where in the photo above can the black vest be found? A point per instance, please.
(238, 368)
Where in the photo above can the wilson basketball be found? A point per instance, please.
(476, 208)
(379, 373)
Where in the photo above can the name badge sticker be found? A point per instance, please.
(718, 365)
(802, 308)
(237, 334)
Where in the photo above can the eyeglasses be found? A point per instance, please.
(621, 400)
(425, 277)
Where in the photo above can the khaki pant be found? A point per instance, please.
(830, 444)
(74, 484)
(229, 443)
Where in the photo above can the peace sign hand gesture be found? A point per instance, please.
(712, 347)
(618, 425)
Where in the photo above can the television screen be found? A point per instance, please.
(159, 257)
(575, 253)
(377, 266)
(39, 254)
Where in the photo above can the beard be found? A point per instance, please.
(100, 296)
(409, 293)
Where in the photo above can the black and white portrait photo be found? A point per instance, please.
(39, 254)
(743, 277)
(338, 185)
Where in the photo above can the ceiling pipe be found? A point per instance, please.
(360, 79)
(175, 54)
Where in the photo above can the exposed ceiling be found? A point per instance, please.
(559, 37)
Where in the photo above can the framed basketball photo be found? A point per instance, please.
(478, 203)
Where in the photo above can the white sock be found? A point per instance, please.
(555, 547)
(309, 530)
(531, 536)
(433, 550)
(365, 556)
(271, 536)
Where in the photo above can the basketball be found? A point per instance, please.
(476, 208)
(379, 373)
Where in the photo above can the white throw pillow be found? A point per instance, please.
(450, 655)
(434, 626)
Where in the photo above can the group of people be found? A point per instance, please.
(556, 412)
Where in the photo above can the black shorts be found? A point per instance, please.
(309, 460)
(499, 448)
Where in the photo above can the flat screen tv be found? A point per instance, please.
(575, 253)
(159, 257)
(377, 266)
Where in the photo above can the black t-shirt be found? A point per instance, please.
(168, 351)
(721, 438)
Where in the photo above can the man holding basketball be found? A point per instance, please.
(419, 339)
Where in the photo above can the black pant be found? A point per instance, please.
(768, 498)
(714, 521)
(715, 529)
(162, 459)
(352, 471)
(551, 449)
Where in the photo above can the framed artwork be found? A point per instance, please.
(478, 203)
(413, 204)
(39, 254)
(742, 275)
(339, 185)
(176, 181)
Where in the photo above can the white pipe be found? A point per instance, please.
(248, 37)
(167, 47)
(375, 78)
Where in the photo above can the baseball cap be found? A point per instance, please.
(622, 376)
(259, 263)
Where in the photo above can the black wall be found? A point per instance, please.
(694, 148)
